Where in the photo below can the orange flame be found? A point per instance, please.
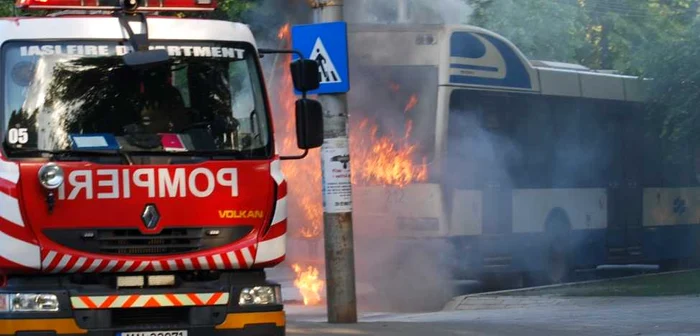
(303, 176)
(309, 284)
(394, 87)
(384, 160)
(412, 102)
(283, 33)
(379, 160)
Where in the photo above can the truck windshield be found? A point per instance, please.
(81, 96)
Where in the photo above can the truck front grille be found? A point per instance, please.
(133, 242)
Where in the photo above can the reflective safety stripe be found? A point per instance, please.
(272, 247)
(59, 262)
(149, 301)
(280, 211)
(241, 320)
(17, 243)
(9, 171)
(9, 209)
(19, 251)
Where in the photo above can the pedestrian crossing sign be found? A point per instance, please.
(327, 44)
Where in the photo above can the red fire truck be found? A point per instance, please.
(140, 188)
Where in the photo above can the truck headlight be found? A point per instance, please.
(21, 302)
(260, 295)
(51, 176)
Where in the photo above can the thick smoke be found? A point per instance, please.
(392, 272)
(405, 274)
(407, 11)
(495, 144)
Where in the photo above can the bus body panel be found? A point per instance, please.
(466, 218)
(671, 206)
(480, 58)
(585, 209)
(410, 212)
(671, 221)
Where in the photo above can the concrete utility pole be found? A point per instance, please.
(337, 194)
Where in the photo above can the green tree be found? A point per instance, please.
(620, 31)
(6, 8)
(235, 9)
(673, 64)
(541, 29)
(600, 34)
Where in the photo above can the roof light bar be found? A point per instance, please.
(143, 6)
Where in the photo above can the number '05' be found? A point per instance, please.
(17, 136)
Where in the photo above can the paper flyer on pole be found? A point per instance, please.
(337, 187)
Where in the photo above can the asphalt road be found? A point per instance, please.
(576, 316)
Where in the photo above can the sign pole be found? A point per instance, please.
(337, 188)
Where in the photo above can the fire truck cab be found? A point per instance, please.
(141, 192)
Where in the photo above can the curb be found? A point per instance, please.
(457, 301)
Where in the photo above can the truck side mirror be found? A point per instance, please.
(309, 119)
(305, 75)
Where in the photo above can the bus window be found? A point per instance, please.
(400, 101)
(533, 133)
(596, 158)
(529, 141)
(567, 158)
(479, 146)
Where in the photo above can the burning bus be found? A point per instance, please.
(518, 166)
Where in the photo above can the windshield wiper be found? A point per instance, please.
(71, 152)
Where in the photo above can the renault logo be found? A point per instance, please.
(150, 216)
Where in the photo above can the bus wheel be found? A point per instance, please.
(557, 254)
(558, 263)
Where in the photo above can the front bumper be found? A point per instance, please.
(235, 324)
(110, 312)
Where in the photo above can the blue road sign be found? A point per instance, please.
(327, 44)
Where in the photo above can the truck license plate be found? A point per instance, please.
(154, 333)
